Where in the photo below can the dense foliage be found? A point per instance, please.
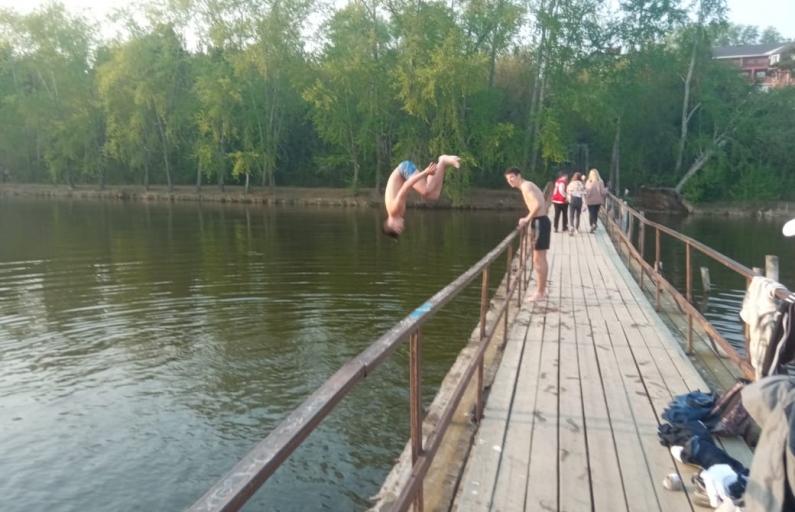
(295, 92)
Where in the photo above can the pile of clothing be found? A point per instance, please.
(692, 420)
(723, 482)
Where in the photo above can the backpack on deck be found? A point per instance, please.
(728, 417)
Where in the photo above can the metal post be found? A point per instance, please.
(415, 392)
(624, 217)
(705, 282)
(642, 242)
(484, 299)
(526, 252)
(688, 276)
(480, 405)
(631, 230)
(507, 289)
(689, 333)
(518, 278)
(771, 267)
(657, 267)
(747, 327)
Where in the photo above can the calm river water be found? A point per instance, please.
(146, 348)
(746, 240)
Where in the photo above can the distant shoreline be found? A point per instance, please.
(479, 199)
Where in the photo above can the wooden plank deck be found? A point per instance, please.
(571, 421)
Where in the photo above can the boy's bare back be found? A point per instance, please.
(533, 198)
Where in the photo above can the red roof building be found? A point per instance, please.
(769, 65)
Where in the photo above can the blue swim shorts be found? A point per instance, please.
(406, 169)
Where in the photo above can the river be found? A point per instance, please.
(147, 347)
(744, 239)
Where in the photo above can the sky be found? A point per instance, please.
(762, 13)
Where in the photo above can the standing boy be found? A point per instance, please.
(540, 226)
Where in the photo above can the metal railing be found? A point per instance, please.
(244, 479)
(614, 207)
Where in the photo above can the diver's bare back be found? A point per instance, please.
(393, 186)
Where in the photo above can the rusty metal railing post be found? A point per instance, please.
(415, 392)
(484, 302)
(642, 245)
(484, 297)
(689, 276)
(518, 277)
(524, 268)
(528, 250)
(507, 288)
(657, 267)
(747, 329)
(689, 333)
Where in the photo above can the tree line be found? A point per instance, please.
(301, 93)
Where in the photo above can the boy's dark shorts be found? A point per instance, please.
(540, 233)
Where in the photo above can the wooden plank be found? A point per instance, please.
(639, 488)
(639, 484)
(484, 461)
(656, 371)
(511, 482)
(575, 482)
(542, 477)
(606, 482)
(656, 325)
(646, 392)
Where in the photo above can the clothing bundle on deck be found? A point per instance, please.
(724, 482)
(693, 419)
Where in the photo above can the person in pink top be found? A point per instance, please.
(594, 198)
(559, 201)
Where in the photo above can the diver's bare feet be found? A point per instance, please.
(536, 297)
(448, 160)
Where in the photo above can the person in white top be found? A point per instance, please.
(574, 191)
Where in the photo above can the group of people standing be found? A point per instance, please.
(571, 196)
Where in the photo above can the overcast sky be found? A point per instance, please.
(763, 13)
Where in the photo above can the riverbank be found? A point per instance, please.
(479, 199)
(667, 201)
(779, 209)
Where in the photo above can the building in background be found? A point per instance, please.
(769, 65)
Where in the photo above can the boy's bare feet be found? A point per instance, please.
(448, 160)
(536, 297)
